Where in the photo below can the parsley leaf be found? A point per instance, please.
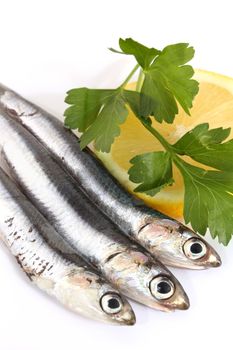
(85, 106)
(208, 201)
(98, 114)
(166, 78)
(204, 146)
(153, 170)
(106, 125)
(143, 54)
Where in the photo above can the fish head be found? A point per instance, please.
(146, 280)
(90, 295)
(177, 245)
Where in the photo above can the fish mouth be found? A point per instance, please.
(130, 322)
(180, 302)
(213, 260)
(183, 304)
(127, 319)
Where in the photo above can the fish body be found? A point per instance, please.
(165, 238)
(77, 286)
(91, 234)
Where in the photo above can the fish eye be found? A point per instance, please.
(194, 249)
(162, 287)
(111, 303)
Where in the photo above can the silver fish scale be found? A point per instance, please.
(20, 225)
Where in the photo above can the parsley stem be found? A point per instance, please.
(140, 81)
(158, 136)
(129, 76)
(180, 163)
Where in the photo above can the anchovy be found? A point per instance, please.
(76, 286)
(165, 238)
(92, 235)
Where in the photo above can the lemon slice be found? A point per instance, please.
(213, 104)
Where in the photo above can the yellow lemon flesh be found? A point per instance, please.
(213, 104)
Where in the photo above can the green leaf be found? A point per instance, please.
(99, 113)
(133, 99)
(85, 106)
(106, 126)
(144, 55)
(152, 170)
(204, 146)
(156, 100)
(208, 201)
(168, 81)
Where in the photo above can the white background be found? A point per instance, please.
(49, 47)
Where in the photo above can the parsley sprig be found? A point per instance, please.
(164, 83)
